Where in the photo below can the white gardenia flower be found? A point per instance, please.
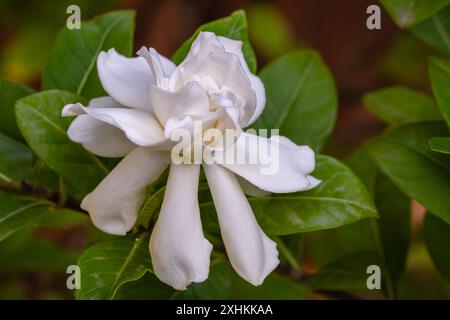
(149, 98)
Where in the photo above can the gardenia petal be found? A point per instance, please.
(99, 137)
(190, 100)
(139, 126)
(127, 79)
(180, 253)
(275, 165)
(252, 254)
(114, 203)
(235, 47)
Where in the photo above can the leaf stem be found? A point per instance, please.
(287, 254)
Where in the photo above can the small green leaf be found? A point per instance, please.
(39, 118)
(18, 212)
(409, 12)
(404, 156)
(72, 65)
(301, 99)
(436, 30)
(399, 105)
(16, 160)
(107, 265)
(440, 80)
(340, 199)
(10, 92)
(233, 27)
(437, 240)
(150, 207)
(440, 144)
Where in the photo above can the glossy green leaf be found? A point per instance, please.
(435, 30)
(150, 207)
(233, 26)
(404, 156)
(340, 199)
(409, 12)
(17, 212)
(148, 287)
(10, 92)
(72, 65)
(301, 98)
(440, 80)
(440, 144)
(40, 121)
(399, 105)
(16, 160)
(437, 240)
(107, 265)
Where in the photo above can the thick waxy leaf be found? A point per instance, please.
(440, 81)
(399, 105)
(409, 12)
(437, 240)
(301, 99)
(404, 156)
(16, 160)
(10, 92)
(107, 265)
(18, 212)
(440, 144)
(40, 121)
(340, 199)
(72, 66)
(233, 27)
(436, 30)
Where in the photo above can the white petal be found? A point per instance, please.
(190, 100)
(275, 165)
(235, 47)
(250, 189)
(227, 72)
(180, 253)
(139, 126)
(252, 254)
(114, 203)
(127, 79)
(99, 137)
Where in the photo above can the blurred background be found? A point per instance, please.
(361, 60)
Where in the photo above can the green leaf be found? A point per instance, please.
(150, 207)
(18, 212)
(39, 118)
(72, 65)
(148, 287)
(340, 199)
(399, 105)
(437, 239)
(409, 12)
(440, 80)
(16, 160)
(404, 156)
(301, 98)
(107, 265)
(10, 92)
(233, 27)
(435, 30)
(440, 144)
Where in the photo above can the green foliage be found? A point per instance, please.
(301, 98)
(76, 53)
(13, 154)
(45, 130)
(440, 144)
(233, 26)
(399, 105)
(339, 200)
(109, 264)
(407, 13)
(437, 239)
(440, 79)
(9, 93)
(404, 156)
(435, 30)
